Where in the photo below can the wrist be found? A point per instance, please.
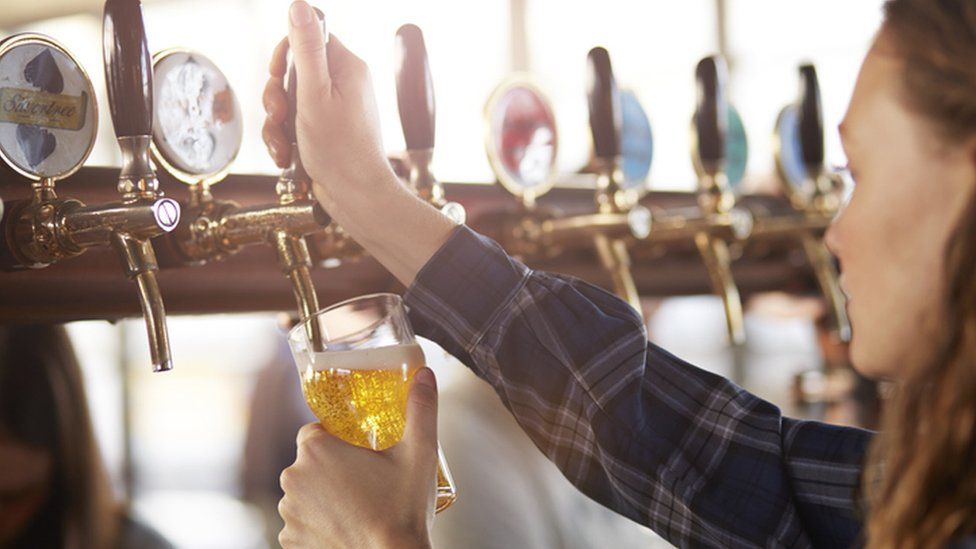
(348, 197)
(391, 223)
(405, 539)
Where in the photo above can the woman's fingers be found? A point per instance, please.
(274, 140)
(275, 101)
(279, 59)
(276, 105)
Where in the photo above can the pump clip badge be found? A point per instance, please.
(46, 124)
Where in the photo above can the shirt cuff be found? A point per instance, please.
(462, 289)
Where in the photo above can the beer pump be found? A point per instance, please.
(198, 135)
(415, 99)
(618, 216)
(715, 197)
(51, 143)
(522, 144)
(814, 193)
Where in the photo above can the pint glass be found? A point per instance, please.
(356, 360)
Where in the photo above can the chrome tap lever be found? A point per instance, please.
(415, 99)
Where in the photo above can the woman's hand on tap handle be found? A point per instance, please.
(340, 143)
(337, 123)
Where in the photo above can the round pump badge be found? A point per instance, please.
(197, 127)
(636, 141)
(736, 149)
(789, 151)
(521, 139)
(48, 114)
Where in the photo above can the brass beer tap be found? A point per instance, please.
(522, 143)
(48, 229)
(415, 99)
(212, 228)
(618, 214)
(814, 193)
(715, 197)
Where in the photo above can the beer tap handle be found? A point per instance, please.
(711, 114)
(415, 89)
(291, 92)
(606, 120)
(294, 183)
(810, 114)
(418, 113)
(128, 73)
(128, 67)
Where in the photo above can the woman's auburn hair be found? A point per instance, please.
(920, 480)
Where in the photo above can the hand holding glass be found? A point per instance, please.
(356, 360)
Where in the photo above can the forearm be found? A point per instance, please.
(666, 444)
(395, 226)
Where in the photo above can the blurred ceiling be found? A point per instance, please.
(14, 13)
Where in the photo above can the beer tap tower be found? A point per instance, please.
(813, 192)
(415, 99)
(715, 197)
(213, 229)
(48, 229)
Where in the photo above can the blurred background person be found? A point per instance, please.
(54, 491)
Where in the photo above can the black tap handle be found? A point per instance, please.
(291, 91)
(711, 114)
(291, 87)
(810, 113)
(415, 89)
(128, 68)
(606, 119)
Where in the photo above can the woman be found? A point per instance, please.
(53, 488)
(675, 448)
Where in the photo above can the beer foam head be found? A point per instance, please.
(381, 358)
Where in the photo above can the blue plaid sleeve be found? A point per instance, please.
(671, 446)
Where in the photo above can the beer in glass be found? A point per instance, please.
(356, 364)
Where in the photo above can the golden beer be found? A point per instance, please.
(361, 396)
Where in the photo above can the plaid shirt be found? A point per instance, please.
(683, 451)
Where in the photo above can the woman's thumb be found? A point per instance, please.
(307, 39)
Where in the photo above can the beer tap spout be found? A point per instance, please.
(140, 265)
